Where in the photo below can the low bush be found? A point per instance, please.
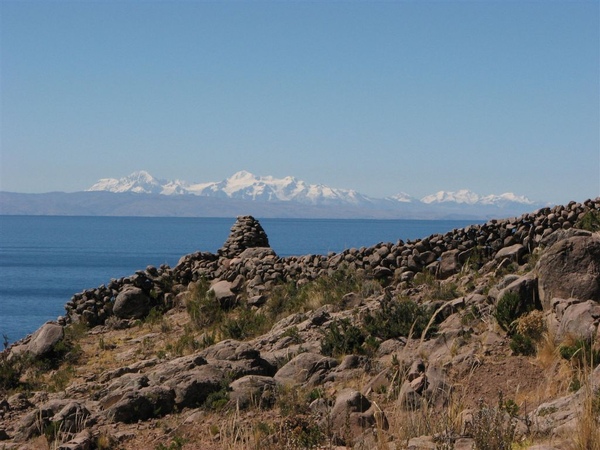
(343, 338)
(202, 306)
(581, 353)
(399, 318)
(590, 221)
(508, 309)
(529, 330)
(290, 298)
(493, 428)
(10, 372)
(243, 324)
(522, 345)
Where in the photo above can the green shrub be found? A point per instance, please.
(186, 343)
(590, 221)
(10, 372)
(509, 308)
(244, 324)
(398, 318)
(342, 338)
(202, 306)
(493, 428)
(289, 298)
(217, 400)
(177, 443)
(522, 345)
(293, 334)
(580, 353)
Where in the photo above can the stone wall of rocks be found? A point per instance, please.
(251, 267)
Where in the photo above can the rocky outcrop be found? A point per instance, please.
(409, 373)
(42, 344)
(352, 414)
(252, 267)
(570, 268)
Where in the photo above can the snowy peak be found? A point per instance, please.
(244, 185)
(464, 196)
(402, 197)
(241, 185)
(140, 182)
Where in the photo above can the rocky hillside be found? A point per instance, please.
(481, 338)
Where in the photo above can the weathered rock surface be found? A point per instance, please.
(45, 340)
(131, 303)
(404, 372)
(570, 268)
(305, 369)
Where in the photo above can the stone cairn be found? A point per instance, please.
(252, 267)
(245, 233)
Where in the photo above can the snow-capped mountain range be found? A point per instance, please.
(241, 185)
(244, 185)
(140, 194)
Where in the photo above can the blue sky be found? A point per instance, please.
(380, 97)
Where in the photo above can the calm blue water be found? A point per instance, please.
(44, 260)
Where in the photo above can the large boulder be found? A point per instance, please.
(513, 253)
(223, 293)
(131, 303)
(193, 388)
(570, 269)
(576, 318)
(449, 264)
(424, 387)
(143, 404)
(306, 368)
(352, 414)
(526, 287)
(253, 390)
(44, 340)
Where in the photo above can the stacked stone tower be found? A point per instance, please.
(245, 233)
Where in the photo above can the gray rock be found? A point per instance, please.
(73, 417)
(253, 390)
(577, 319)
(142, 404)
(45, 339)
(352, 413)
(306, 368)
(131, 303)
(514, 253)
(33, 423)
(526, 287)
(193, 387)
(223, 293)
(449, 264)
(429, 387)
(82, 441)
(570, 268)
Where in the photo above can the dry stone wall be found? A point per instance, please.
(247, 262)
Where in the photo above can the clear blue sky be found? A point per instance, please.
(380, 97)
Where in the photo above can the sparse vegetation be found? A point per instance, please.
(398, 318)
(416, 344)
(590, 221)
(509, 308)
(493, 428)
(243, 324)
(343, 338)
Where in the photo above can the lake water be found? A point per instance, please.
(44, 260)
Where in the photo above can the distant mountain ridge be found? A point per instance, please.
(140, 194)
(244, 185)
